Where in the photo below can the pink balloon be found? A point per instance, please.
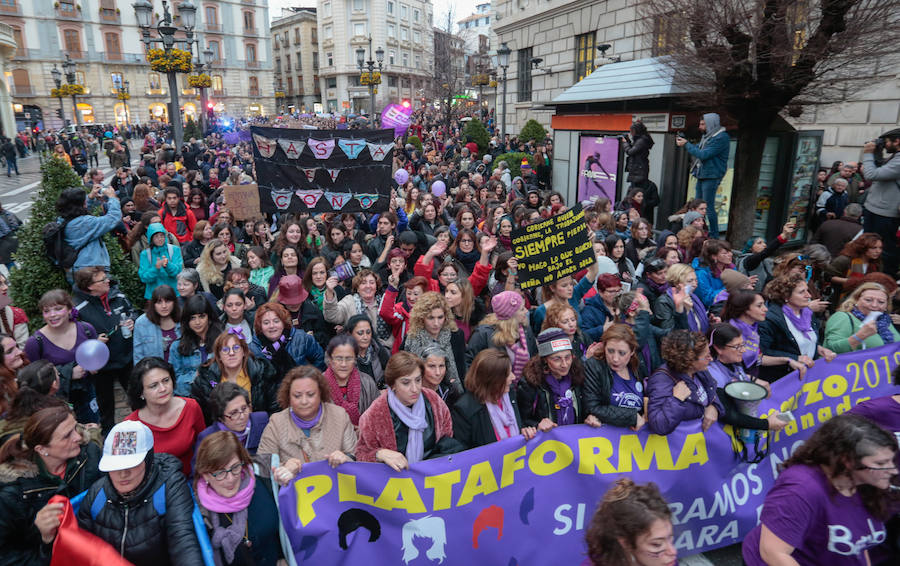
(401, 176)
(438, 188)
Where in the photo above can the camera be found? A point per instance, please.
(878, 154)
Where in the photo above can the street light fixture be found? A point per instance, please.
(123, 94)
(69, 70)
(57, 78)
(503, 61)
(143, 11)
(370, 67)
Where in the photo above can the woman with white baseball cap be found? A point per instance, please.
(143, 506)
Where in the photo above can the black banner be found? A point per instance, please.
(550, 250)
(323, 170)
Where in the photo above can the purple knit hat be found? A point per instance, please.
(506, 304)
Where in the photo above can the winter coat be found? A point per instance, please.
(775, 339)
(479, 277)
(136, 527)
(835, 233)
(85, 233)
(25, 488)
(538, 314)
(302, 347)
(883, 196)
(339, 311)
(637, 159)
(714, 155)
(190, 252)
(380, 428)
(396, 314)
(143, 243)
(258, 421)
(593, 317)
(665, 411)
(91, 310)
(458, 351)
(181, 224)
(483, 337)
(666, 318)
(148, 339)
(334, 431)
(154, 276)
(263, 386)
(472, 425)
(598, 382)
(535, 400)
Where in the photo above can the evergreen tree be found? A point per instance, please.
(532, 130)
(192, 130)
(476, 132)
(415, 141)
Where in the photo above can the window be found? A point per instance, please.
(665, 34)
(392, 31)
(404, 11)
(406, 59)
(21, 80)
(392, 55)
(418, 60)
(287, 62)
(415, 15)
(254, 85)
(249, 24)
(20, 41)
(329, 57)
(72, 41)
(327, 31)
(116, 79)
(524, 86)
(392, 81)
(315, 60)
(296, 36)
(79, 77)
(290, 86)
(390, 7)
(331, 82)
(404, 34)
(113, 46)
(278, 65)
(277, 41)
(153, 81)
(359, 6)
(584, 55)
(417, 36)
(326, 9)
(250, 51)
(108, 9)
(359, 29)
(217, 83)
(212, 15)
(299, 62)
(214, 47)
(66, 5)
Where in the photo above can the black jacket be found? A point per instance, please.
(598, 382)
(190, 253)
(482, 337)
(133, 526)
(637, 159)
(263, 386)
(775, 339)
(91, 310)
(535, 402)
(25, 488)
(472, 424)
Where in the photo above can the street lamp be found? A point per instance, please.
(202, 66)
(503, 61)
(69, 70)
(57, 78)
(143, 11)
(368, 66)
(123, 95)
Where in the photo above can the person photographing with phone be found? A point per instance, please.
(882, 206)
(83, 231)
(710, 164)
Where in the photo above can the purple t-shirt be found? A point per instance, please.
(47, 350)
(883, 411)
(628, 393)
(168, 337)
(823, 526)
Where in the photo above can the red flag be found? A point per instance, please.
(74, 545)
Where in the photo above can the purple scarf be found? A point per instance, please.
(883, 324)
(750, 333)
(518, 353)
(242, 436)
(658, 288)
(803, 323)
(698, 320)
(416, 420)
(503, 417)
(307, 424)
(563, 404)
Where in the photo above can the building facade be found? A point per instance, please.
(480, 43)
(295, 53)
(103, 40)
(7, 49)
(402, 29)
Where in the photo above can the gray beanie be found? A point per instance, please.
(689, 217)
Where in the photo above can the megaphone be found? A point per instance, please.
(746, 391)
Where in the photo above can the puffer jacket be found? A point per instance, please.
(25, 488)
(302, 347)
(263, 386)
(154, 276)
(593, 317)
(135, 527)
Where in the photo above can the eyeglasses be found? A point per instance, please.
(240, 282)
(739, 347)
(343, 359)
(237, 413)
(874, 469)
(232, 350)
(466, 241)
(104, 280)
(234, 470)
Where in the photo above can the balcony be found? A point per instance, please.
(276, 45)
(214, 27)
(22, 90)
(8, 45)
(13, 10)
(296, 40)
(188, 91)
(253, 91)
(110, 16)
(68, 11)
(298, 66)
(156, 92)
(219, 92)
(253, 64)
(114, 55)
(250, 31)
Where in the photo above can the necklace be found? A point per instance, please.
(246, 540)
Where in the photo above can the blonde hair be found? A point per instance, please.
(423, 307)
(506, 332)
(467, 299)
(678, 273)
(850, 302)
(205, 265)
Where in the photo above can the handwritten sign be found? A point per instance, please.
(550, 250)
(243, 201)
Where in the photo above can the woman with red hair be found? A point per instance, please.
(859, 257)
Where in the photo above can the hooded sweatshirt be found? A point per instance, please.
(711, 154)
(152, 275)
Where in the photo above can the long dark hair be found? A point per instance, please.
(839, 445)
(162, 292)
(738, 303)
(197, 304)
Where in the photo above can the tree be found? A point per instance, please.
(36, 275)
(192, 130)
(532, 130)
(476, 132)
(752, 61)
(449, 67)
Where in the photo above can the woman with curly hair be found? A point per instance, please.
(215, 262)
(551, 391)
(632, 527)
(365, 299)
(681, 389)
(790, 331)
(830, 499)
(861, 256)
(432, 322)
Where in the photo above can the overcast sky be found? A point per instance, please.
(462, 7)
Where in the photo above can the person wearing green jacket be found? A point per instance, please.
(862, 321)
(161, 262)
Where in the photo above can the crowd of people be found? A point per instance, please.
(400, 336)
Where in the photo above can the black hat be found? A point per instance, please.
(654, 265)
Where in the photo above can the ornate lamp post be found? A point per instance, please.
(143, 11)
(503, 61)
(69, 70)
(124, 95)
(57, 78)
(368, 76)
(201, 66)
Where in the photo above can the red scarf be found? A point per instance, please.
(351, 403)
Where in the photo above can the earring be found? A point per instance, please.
(46, 453)
(142, 398)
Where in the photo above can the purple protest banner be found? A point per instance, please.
(396, 116)
(514, 502)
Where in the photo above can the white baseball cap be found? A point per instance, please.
(126, 446)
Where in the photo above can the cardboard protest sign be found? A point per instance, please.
(550, 250)
(243, 201)
(351, 168)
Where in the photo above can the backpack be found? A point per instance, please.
(59, 252)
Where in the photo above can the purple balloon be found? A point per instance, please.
(438, 188)
(92, 355)
(401, 176)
